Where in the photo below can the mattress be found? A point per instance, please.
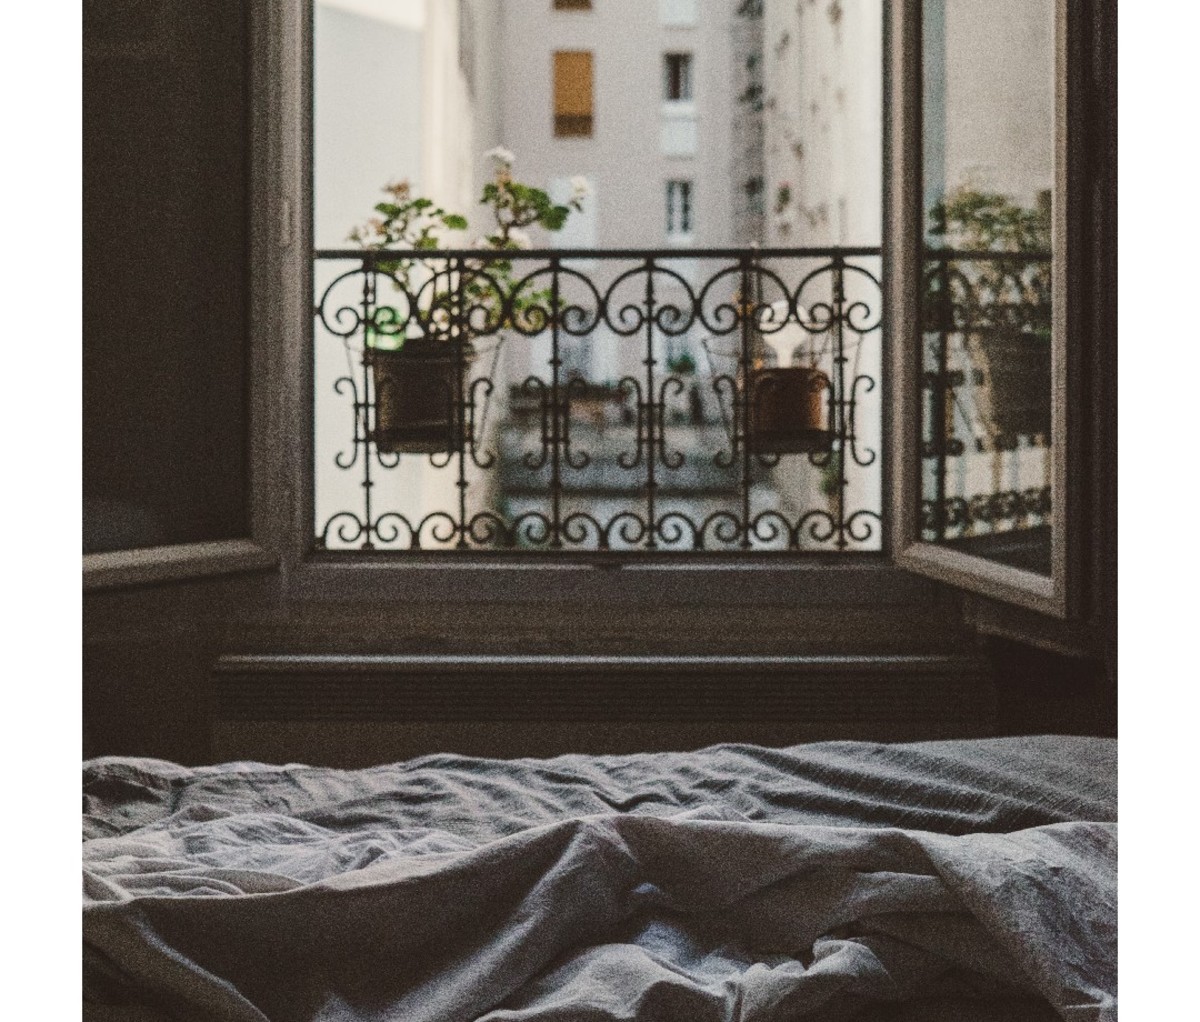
(845, 880)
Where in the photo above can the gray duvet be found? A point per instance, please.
(842, 880)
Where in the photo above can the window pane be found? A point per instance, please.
(678, 74)
(988, 186)
(165, 264)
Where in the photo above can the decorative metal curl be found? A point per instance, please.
(746, 296)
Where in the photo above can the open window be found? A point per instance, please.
(983, 299)
(167, 348)
(944, 310)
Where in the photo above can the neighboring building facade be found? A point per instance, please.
(823, 168)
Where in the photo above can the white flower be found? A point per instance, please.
(519, 238)
(503, 157)
(580, 188)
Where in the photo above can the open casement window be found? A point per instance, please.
(168, 349)
(983, 302)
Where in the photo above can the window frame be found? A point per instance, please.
(284, 440)
(272, 213)
(1059, 594)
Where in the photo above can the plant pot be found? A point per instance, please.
(789, 411)
(418, 396)
(1015, 397)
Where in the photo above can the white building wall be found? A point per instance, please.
(639, 141)
(391, 102)
(823, 128)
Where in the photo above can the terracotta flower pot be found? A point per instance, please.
(789, 411)
(418, 399)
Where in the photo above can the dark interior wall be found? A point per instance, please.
(165, 156)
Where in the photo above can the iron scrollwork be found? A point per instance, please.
(652, 446)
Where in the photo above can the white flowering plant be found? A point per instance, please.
(419, 224)
(515, 207)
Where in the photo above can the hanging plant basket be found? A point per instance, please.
(789, 411)
(1015, 365)
(419, 407)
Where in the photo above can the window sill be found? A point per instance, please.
(871, 580)
(150, 565)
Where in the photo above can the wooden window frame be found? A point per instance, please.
(283, 431)
(1057, 594)
(273, 227)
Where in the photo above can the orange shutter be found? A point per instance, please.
(573, 92)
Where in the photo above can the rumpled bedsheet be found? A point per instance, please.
(832, 881)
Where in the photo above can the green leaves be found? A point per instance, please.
(554, 218)
(417, 223)
(989, 221)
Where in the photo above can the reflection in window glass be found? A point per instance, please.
(988, 192)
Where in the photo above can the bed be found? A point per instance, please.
(969, 880)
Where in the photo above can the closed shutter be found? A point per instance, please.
(573, 93)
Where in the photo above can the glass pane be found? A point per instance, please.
(988, 190)
(702, 378)
(165, 262)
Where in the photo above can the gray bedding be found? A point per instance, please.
(844, 880)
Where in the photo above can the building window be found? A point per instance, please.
(677, 77)
(573, 93)
(679, 208)
(754, 196)
(572, 5)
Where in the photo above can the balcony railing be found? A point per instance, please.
(598, 401)
(716, 401)
(986, 423)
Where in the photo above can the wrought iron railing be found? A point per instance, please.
(700, 401)
(986, 429)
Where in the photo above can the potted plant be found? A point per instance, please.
(789, 410)
(788, 402)
(1001, 306)
(419, 361)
